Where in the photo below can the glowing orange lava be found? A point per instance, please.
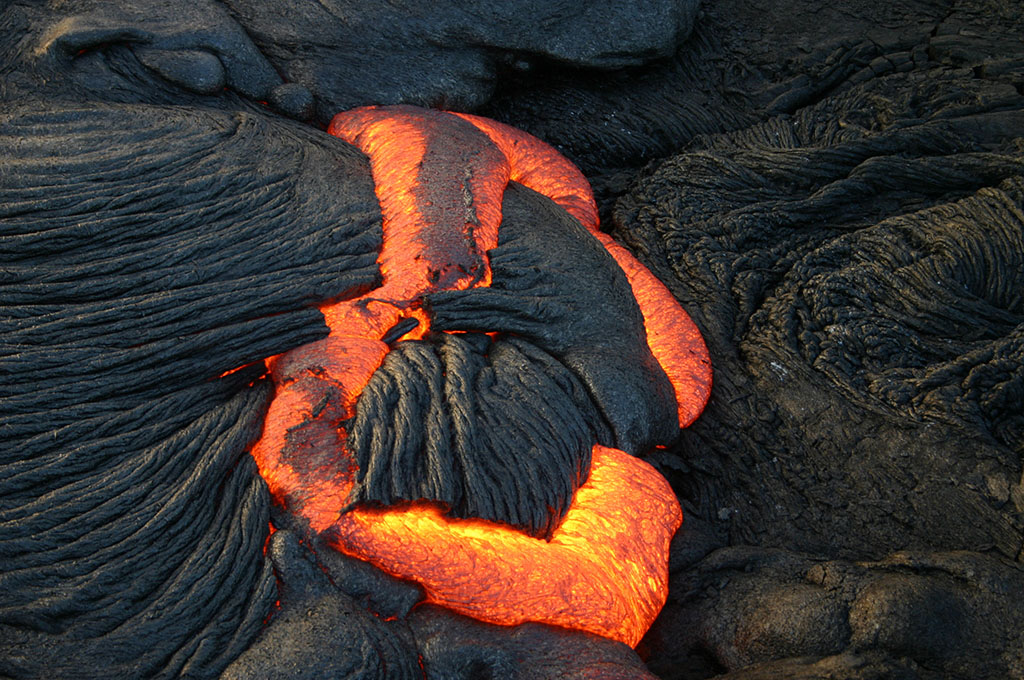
(440, 179)
(674, 339)
(604, 570)
(434, 239)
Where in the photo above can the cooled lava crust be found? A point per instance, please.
(471, 422)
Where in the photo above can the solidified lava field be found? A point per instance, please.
(835, 195)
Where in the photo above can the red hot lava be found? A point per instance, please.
(605, 568)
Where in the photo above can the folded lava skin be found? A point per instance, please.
(468, 423)
(835, 193)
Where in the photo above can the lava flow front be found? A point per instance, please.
(605, 567)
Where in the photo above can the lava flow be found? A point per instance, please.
(605, 568)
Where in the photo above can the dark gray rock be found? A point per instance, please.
(135, 272)
(356, 53)
(319, 632)
(334, 55)
(762, 613)
(848, 282)
(855, 266)
(844, 225)
(454, 647)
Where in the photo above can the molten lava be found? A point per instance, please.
(672, 336)
(435, 238)
(605, 568)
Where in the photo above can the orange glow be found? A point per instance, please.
(604, 569)
(541, 168)
(672, 336)
(270, 532)
(316, 388)
(674, 339)
(440, 179)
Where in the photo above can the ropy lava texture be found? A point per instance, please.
(598, 561)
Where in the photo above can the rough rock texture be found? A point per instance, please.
(319, 603)
(511, 421)
(854, 260)
(162, 226)
(770, 613)
(135, 273)
(313, 59)
(884, 347)
(840, 210)
(458, 648)
(745, 62)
